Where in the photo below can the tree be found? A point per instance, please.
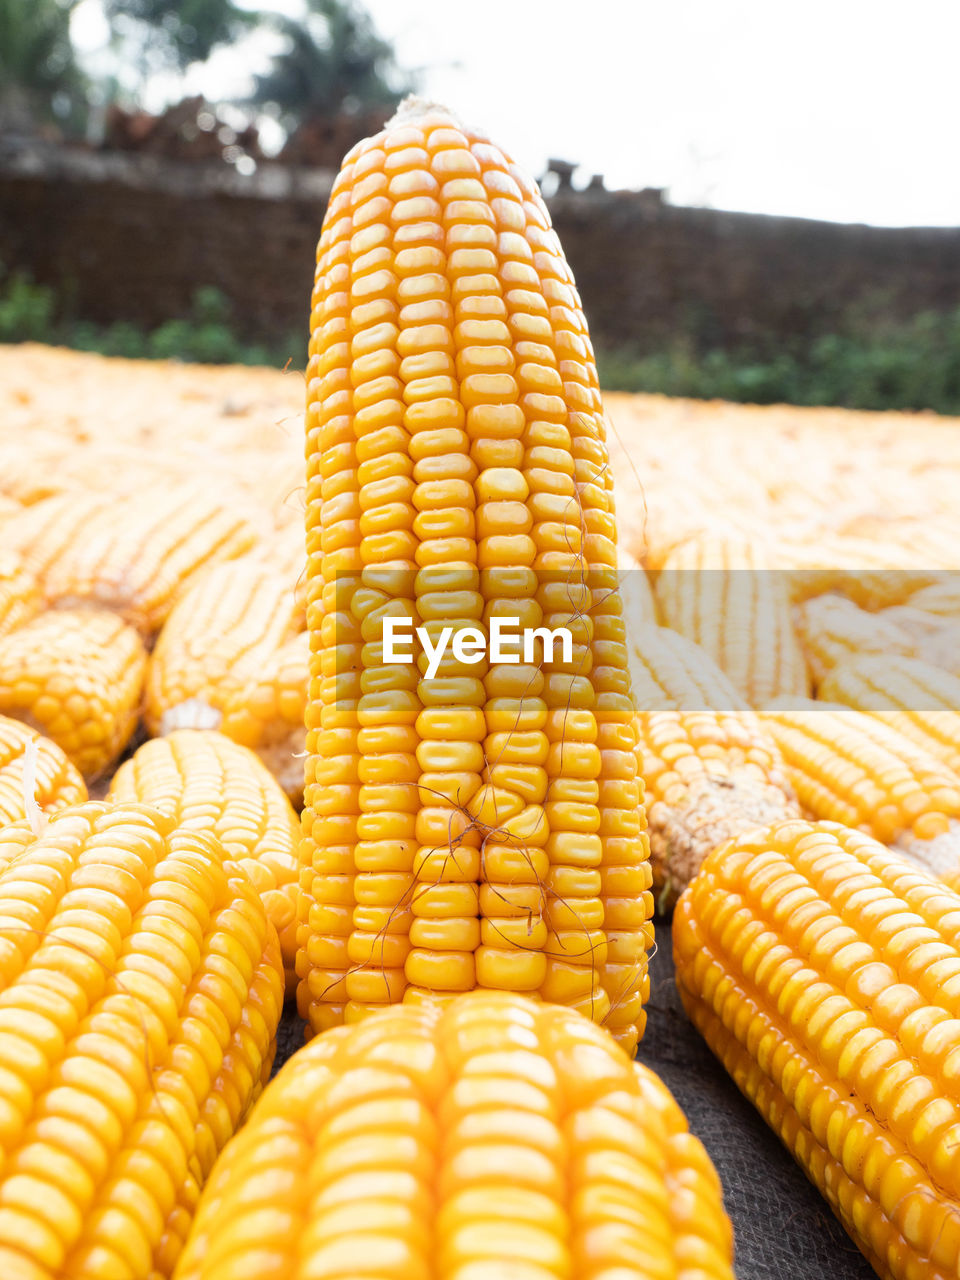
(334, 61)
(174, 33)
(39, 77)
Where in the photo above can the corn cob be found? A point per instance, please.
(34, 777)
(832, 629)
(20, 598)
(484, 828)
(872, 574)
(934, 638)
(495, 1138)
(849, 767)
(133, 556)
(709, 767)
(821, 970)
(941, 597)
(76, 675)
(719, 593)
(230, 658)
(918, 700)
(639, 606)
(141, 994)
(209, 783)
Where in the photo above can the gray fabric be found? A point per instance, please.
(784, 1230)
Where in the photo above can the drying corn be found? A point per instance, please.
(832, 629)
(720, 593)
(822, 971)
(36, 778)
(483, 828)
(918, 700)
(208, 783)
(495, 1138)
(76, 675)
(850, 767)
(141, 989)
(710, 769)
(232, 657)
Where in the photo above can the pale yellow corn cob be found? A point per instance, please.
(719, 593)
(917, 699)
(20, 595)
(131, 556)
(832, 628)
(230, 658)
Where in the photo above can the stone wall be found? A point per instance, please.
(131, 237)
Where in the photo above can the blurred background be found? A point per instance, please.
(759, 202)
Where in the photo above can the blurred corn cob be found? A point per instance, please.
(719, 593)
(76, 675)
(141, 989)
(485, 828)
(20, 595)
(709, 767)
(832, 628)
(208, 783)
(437, 1145)
(850, 767)
(918, 700)
(133, 556)
(35, 775)
(231, 657)
(639, 606)
(821, 970)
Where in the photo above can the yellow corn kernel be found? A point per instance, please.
(822, 971)
(458, 476)
(209, 783)
(497, 1136)
(141, 998)
(75, 674)
(35, 775)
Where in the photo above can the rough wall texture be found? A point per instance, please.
(132, 237)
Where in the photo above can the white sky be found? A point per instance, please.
(842, 109)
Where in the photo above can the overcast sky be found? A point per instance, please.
(843, 109)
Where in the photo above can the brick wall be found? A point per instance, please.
(131, 237)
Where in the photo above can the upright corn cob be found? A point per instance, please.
(832, 629)
(34, 772)
(484, 828)
(141, 989)
(230, 658)
(719, 593)
(495, 1138)
(20, 597)
(132, 556)
(850, 767)
(76, 675)
(918, 700)
(709, 767)
(208, 783)
(822, 971)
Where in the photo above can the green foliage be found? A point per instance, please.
(39, 76)
(865, 365)
(31, 312)
(333, 60)
(175, 33)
